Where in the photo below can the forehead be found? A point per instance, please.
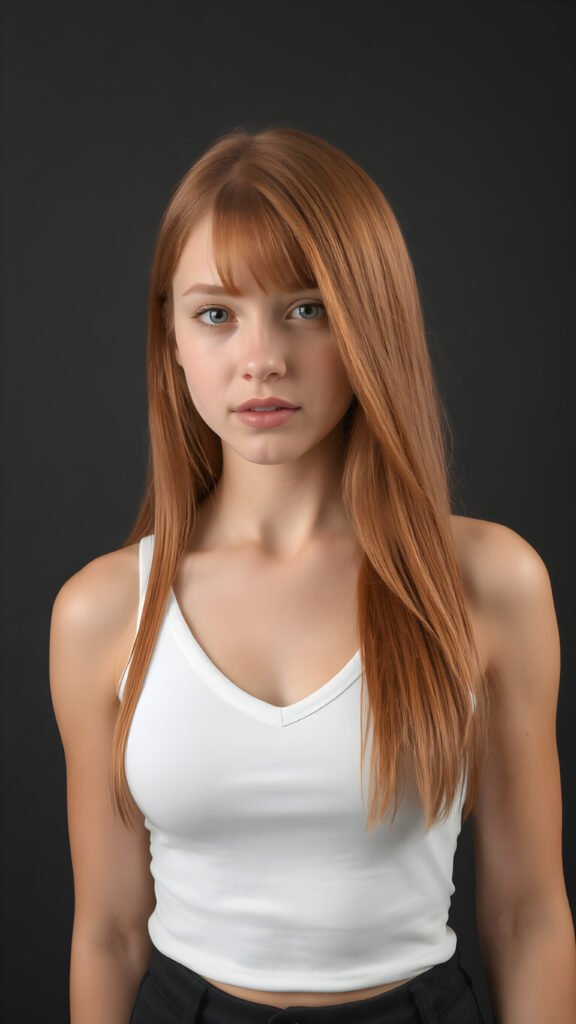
(244, 251)
(197, 264)
(196, 261)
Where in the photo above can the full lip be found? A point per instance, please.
(258, 403)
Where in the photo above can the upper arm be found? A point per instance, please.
(517, 821)
(91, 620)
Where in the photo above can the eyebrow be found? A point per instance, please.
(209, 289)
(217, 289)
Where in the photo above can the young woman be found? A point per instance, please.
(281, 697)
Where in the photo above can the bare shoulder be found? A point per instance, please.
(102, 585)
(95, 610)
(498, 565)
(506, 581)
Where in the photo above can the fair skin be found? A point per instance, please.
(276, 519)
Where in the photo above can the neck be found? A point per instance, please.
(280, 508)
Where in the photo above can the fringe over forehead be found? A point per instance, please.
(249, 233)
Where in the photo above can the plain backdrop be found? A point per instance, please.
(462, 113)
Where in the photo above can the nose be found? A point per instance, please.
(261, 352)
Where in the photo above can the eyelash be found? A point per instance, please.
(208, 309)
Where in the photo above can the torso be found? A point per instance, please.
(293, 622)
(294, 629)
(284, 999)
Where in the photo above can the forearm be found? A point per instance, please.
(104, 980)
(531, 973)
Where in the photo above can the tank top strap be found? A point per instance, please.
(145, 549)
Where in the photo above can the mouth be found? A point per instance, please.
(266, 416)
(270, 404)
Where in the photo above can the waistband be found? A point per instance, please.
(427, 994)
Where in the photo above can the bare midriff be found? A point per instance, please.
(285, 999)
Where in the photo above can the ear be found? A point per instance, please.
(177, 354)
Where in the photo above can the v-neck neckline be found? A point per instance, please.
(245, 701)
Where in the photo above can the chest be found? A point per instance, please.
(277, 631)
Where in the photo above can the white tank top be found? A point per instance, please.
(264, 874)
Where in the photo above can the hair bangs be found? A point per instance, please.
(249, 232)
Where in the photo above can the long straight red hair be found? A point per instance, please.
(293, 208)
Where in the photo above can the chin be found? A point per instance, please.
(267, 460)
(270, 457)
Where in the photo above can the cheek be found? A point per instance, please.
(201, 382)
(330, 368)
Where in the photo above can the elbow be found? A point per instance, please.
(131, 944)
(512, 922)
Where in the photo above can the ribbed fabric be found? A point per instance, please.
(264, 873)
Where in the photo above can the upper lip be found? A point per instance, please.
(257, 403)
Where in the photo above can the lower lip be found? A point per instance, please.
(265, 419)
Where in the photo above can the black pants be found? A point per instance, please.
(171, 993)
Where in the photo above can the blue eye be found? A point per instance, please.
(210, 309)
(223, 317)
(310, 305)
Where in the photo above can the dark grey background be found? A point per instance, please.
(462, 112)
